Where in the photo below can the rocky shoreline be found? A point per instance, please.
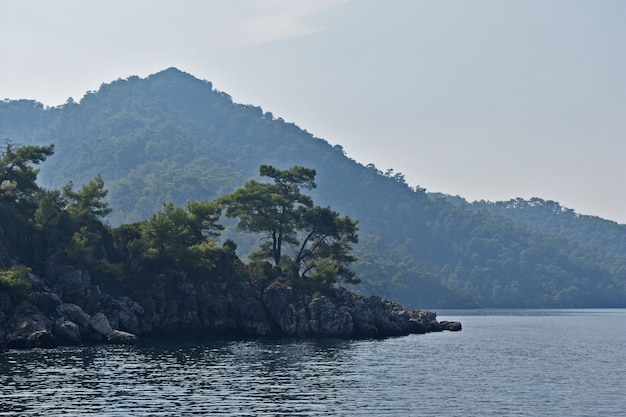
(66, 309)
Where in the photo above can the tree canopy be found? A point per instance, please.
(319, 239)
(17, 173)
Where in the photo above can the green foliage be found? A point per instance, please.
(167, 235)
(15, 280)
(203, 218)
(88, 204)
(326, 245)
(551, 218)
(80, 249)
(275, 210)
(175, 238)
(17, 174)
(320, 240)
(48, 213)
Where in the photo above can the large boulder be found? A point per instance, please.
(362, 318)
(287, 312)
(46, 301)
(69, 283)
(67, 332)
(100, 324)
(453, 326)
(75, 314)
(251, 314)
(125, 314)
(389, 318)
(25, 321)
(43, 339)
(118, 337)
(329, 320)
(417, 327)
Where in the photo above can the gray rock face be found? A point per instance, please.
(47, 302)
(25, 321)
(75, 314)
(453, 326)
(286, 310)
(43, 339)
(328, 319)
(100, 324)
(125, 314)
(70, 284)
(118, 337)
(67, 332)
(208, 306)
(251, 315)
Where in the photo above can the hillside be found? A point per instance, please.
(172, 138)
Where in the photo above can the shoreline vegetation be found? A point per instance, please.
(71, 279)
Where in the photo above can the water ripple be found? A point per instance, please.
(499, 365)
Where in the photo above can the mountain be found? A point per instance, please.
(171, 137)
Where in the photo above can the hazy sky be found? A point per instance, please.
(485, 99)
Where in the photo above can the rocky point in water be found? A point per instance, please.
(65, 308)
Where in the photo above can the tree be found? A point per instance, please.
(17, 174)
(87, 237)
(204, 217)
(272, 209)
(167, 235)
(320, 240)
(325, 247)
(177, 237)
(88, 204)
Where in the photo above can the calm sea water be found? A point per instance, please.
(503, 363)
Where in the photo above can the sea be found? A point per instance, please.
(503, 363)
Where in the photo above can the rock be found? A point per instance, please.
(387, 319)
(100, 324)
(70, 284)
(330, 320)
(47, 302)
(19, 343)
(118, 337)
(67, 332)
(37, 284)
(416, 327)
(363, 319)
(73, 313)
(25, 321)
(453, 326)
(433, 326)
(125, 312)
(43, 339)
(279, 301)
(251, 315)
(256, 306)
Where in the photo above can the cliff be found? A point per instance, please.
(66, 308)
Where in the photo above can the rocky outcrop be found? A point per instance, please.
(67, 309)
(118, 337)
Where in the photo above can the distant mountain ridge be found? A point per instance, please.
(172, 137)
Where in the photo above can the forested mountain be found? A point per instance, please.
(552, 218)
(172, 138)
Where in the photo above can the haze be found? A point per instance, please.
(484, 99)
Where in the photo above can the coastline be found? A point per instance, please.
(68, 310)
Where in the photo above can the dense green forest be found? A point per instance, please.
(43, 229)
(171, 138)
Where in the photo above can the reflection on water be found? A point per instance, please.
(245, 377)
(500, 364)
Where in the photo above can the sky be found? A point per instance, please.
(485, 99)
